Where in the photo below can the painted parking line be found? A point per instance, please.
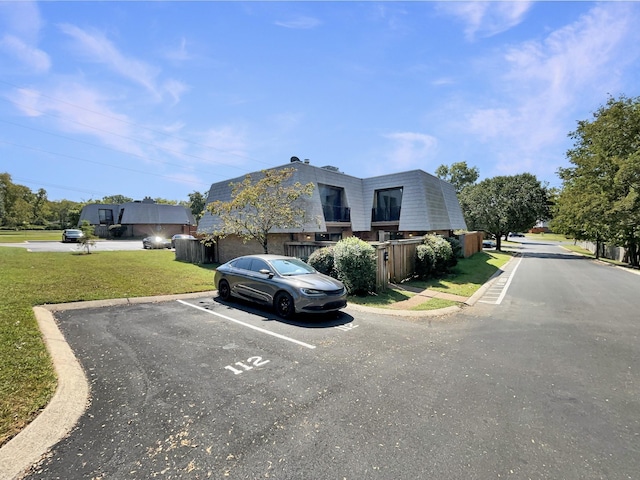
(497, 291)
(261, 330)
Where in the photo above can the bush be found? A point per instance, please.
(355, 265)
(116, 231)
(323, 261)
(425, 260)
(456, 248)
(443, 253)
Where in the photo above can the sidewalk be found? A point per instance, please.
(422, 296)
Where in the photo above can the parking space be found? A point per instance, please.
(186, 372)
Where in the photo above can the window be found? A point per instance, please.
(257, 265)
(105, 216)
(328, 237)
(333, 205)
(386, 207)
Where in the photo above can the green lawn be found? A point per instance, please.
(465, 279)
(27, 379)
(468, 276)
(19, 236)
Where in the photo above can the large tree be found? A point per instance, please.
(197, 202)
(257, 207)
(504, 204)
(17, 203)
(600, 198)
(458, 174)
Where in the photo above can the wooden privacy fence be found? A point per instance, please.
(194, 251)
(395, 259)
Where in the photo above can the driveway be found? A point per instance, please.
(55, 246)
(539, 381)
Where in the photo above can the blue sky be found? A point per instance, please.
(161, 99)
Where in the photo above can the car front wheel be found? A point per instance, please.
(223, 290)
(283, 304)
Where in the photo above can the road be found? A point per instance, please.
(542, 384)
(53, 246)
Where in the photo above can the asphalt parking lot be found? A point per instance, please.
(216, 390)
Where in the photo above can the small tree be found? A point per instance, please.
(88, 239)
(258, 207)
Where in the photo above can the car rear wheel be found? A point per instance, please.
(223, 290)
(283, 304)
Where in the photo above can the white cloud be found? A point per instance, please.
(548, 84)
(97, 48)
(486, 19)
(299, 23)
(410, 150)
(34, 58)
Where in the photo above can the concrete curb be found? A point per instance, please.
(59, 417)
(71, 397)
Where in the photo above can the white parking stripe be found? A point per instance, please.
(262, 330)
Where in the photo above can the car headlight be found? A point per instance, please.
(312, 292)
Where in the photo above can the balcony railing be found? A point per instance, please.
(389, 214)
(333, 213)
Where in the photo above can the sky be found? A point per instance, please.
(161, 99)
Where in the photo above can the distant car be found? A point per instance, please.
(286, 283)
(179, 236)
(488, 243)
(516, 234)
(71, 235)
(156, 241)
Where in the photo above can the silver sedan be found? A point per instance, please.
(286, 283)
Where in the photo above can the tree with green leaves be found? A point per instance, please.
(88, 238)
(197, 202)
(115, 200)
(17, 203)
(458, 174)
(504, 204)
(257, 207)
(600, 198)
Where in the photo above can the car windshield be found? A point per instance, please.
(291, 266)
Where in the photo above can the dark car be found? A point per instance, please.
(72, 235)
(516, 234)
(156, 241)
(286, 283)
(179, 236)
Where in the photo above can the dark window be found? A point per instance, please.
(243, 263)
(387, 203)
(328, 237)
(257, 265)
(105, 216)
(333, 204)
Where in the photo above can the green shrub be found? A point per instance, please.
(323, 261)
(443, 253)
(355, 265)
(456, 248)
(425, 260)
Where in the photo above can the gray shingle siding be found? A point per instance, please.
(428, 203)
(137, 213)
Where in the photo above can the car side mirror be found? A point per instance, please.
(264, 271)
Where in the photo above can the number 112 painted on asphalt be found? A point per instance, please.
(252, 361)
